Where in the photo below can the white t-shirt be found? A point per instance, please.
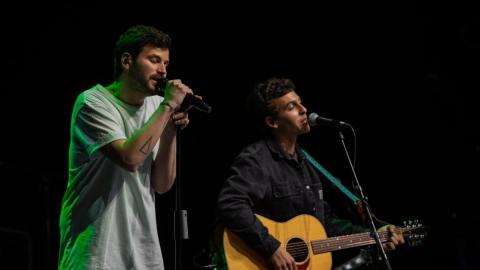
(108, 213)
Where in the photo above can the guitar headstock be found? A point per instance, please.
(414, 232)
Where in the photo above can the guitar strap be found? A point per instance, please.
(332, 179)
(357, 201)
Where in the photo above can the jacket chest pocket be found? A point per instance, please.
(288, 201)
(285, 190)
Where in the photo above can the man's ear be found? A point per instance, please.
(126, 60)
(271, 122)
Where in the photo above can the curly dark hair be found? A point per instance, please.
(134, 39)
(259, 103)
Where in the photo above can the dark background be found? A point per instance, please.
(404, 75)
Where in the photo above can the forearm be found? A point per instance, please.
(255, 235)
(131, 153)
(237, 215)
(164, 167)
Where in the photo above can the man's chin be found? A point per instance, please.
(305, 130)
(152, 91)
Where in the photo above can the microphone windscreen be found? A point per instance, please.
(312, 117)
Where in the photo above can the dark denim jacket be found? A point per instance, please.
(266, 181)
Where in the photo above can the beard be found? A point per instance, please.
(141, 81)
(305, 129)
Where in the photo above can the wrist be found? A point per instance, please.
(166, 105)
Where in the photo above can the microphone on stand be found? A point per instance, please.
(314, 119)
(189, 100)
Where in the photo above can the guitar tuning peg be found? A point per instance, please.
(407, 223)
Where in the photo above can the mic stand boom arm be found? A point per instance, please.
(367, 206)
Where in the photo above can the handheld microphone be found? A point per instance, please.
(314, 119)
(189, 100)
(195, 102)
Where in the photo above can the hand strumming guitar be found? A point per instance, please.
(282, 260)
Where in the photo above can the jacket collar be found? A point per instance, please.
(278, 152)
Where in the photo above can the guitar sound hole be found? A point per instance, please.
(298, 249)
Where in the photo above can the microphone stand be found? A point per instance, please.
(180, 223)
(180, 216)
(367, 207)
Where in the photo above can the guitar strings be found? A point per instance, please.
(319, 246)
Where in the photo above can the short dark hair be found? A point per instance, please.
(259, 100)
(134, 39)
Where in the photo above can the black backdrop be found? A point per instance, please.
(404, 75)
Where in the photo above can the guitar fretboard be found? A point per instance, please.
(348, 241)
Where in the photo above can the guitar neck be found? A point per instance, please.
(347, 241)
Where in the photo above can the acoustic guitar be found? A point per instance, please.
(306, 240)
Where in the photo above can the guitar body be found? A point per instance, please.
(294, 235)
(305, 239)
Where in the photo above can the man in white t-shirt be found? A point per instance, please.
(122, 151)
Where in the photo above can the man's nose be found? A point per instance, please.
(162, 68)
(303, 109)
